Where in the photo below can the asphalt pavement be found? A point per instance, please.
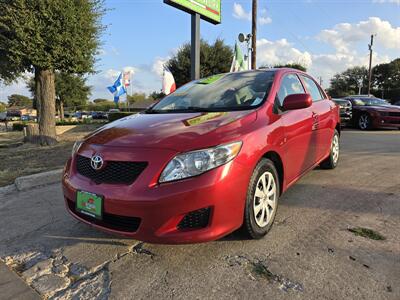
(309, 253)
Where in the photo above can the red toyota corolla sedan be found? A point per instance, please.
(212, 157)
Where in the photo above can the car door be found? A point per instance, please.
(297, 147)
(322, 117)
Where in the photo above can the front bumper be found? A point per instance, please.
(161, 207)
(386, 122)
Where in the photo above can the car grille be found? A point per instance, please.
(195, 220)
(394, 114)
(115, 222)
(114, 172)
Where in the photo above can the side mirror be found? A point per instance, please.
(297, 101)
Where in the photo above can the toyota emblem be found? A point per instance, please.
(96, 162)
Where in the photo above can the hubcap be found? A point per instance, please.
(363, 122)
(335, 148)
(264, 203)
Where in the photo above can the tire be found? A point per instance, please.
(332, 160)
(364, 122)
(257, 226)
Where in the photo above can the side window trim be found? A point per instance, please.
(322, 95)
(277, 104)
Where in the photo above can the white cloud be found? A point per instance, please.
(344, 36)
(158, 65)
(240, 13)
(264, 20)
(271, 53)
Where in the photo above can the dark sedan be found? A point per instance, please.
(370, 112)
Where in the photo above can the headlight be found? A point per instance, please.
(197, 162)
(76, 147)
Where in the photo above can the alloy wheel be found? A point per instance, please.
(335, 149)
(265, 198)
(363, 122)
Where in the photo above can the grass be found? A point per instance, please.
(367, 233)
(30, 159)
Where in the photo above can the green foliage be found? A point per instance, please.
(118, 115)
(20, 101)
(214, 59)
(58, 35)
(103, 105)
(137, 97)
(386, 80)
(71, 90)
(3, 107)
(296, 66)
(347, 82)
(157, 95)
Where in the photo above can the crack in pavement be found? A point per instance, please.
(258, 269)
(54, 277)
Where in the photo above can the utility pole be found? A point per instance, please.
(195, 47)
(254, 35)
(370, 64)
(320, 80)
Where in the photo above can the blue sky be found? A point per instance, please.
(327, 36)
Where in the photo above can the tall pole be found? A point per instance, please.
(195, 47)
(370, 64)
(254, 36)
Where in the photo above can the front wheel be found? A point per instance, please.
(332, 160)
(262, 199)
(364, 122)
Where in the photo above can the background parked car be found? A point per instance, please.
(346, 110)
(370, 112)
(99, 115)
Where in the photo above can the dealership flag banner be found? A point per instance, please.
(168, 85)
(118, 89)
(238, 62)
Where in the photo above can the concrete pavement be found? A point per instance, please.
(309, 253)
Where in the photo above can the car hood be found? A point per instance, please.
(386, 108)
(180, 131)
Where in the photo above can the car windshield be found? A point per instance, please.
(223, 92)
(370, 102)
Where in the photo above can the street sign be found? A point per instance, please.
(209, 10)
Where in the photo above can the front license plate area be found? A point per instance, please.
(89, 204)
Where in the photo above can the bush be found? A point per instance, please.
(18, 126)
(66, 122)
(118, 115)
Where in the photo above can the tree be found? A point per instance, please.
(386, 80)
(101, 105)
(136, 97)
(348, 82)
(214, 59)
(43, 37)
(157, 95)
(71, 91)
(19, 100)
(3, 107)
(293, 66)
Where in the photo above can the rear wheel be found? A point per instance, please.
(332, 160)
(364, 122)
(262, 200)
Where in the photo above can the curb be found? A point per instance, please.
(27, 182)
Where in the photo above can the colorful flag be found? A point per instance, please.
(168, 85)
(127, 79)
(238, 62)
(118, 89)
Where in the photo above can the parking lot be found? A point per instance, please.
(309, 253)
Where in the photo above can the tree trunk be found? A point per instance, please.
(47, 120)
(37, 93)
(31, 132)
(61, 109)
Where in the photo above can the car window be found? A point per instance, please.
(312, 88)
(223, 92)
(290, 85)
